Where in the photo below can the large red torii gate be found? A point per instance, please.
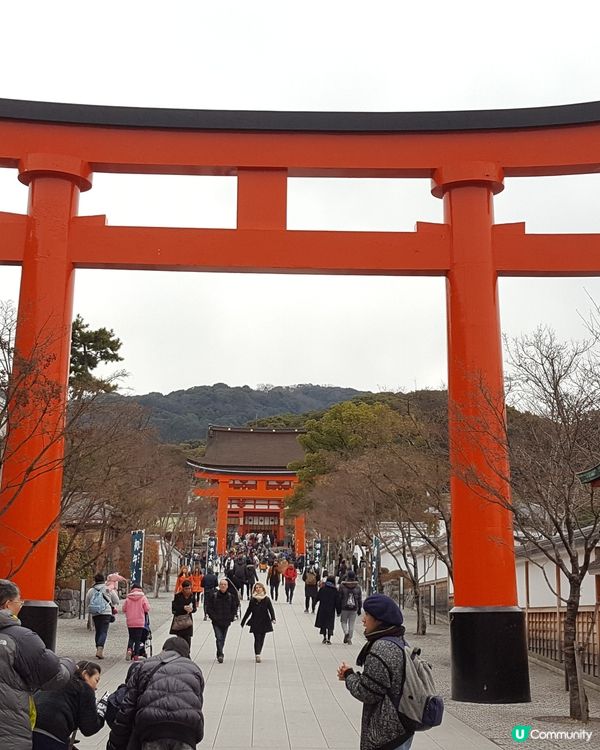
(57, 147)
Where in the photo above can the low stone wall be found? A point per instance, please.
(68, 603)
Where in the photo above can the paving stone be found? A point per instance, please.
(292, 700)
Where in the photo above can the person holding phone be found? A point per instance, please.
(60, 714)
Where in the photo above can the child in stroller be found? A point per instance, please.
(146, 645)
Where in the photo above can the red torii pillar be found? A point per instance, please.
(32, 472)
(485, 596)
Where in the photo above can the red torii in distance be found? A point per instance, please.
(57, 147)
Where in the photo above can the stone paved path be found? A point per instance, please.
(292, 700)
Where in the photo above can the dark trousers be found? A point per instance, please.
(136, 639)
(220, 636)
(101, 623)
(289, 590)
(259, 640)
(275, 590)
(43, 742)
(310, 595)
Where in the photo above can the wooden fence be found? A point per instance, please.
(545, 628)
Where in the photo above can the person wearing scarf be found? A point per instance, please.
(379, 685)
(261, 615)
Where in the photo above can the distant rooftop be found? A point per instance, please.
(250, 449)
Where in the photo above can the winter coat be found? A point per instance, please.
(260, 614)
(251, 577)
(239, 573)
(311, 587)
(180, 580)
(26, 665)
(382, 675)
(327, 599)
(196, 583)
(290, 575)
(345, 589)
(135, 607)
(111, 598)
(60, 713)
(222, 607)
(273, 576)
(166, 704)
(210, 582)
(177, 608)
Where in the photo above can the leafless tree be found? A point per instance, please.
(554, 435)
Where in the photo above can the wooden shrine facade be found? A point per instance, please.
(246, 471)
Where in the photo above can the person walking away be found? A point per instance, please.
(379, 686)
(60, 714)
(310, 578)
(238, 576)
(183, 607)
(349, 604)
(251, 578)
(26, 665)
(183, 575)
(274, 580)
(162, 705)
(261, 616)
(136, 606)
(101, 603)
(289, 577)
(222, 609)
(210, 583)
(197, 585)
(327, 601)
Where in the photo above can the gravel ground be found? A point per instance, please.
(548, 698)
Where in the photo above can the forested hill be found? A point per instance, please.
(185, 415)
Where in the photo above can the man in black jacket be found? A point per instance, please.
(222, 609)
(162, 707)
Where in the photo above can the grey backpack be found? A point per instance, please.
(419, 707)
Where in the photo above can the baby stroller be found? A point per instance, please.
(146, 648)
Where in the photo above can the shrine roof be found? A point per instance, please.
(250, 449)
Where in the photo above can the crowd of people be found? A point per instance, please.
(44, 701)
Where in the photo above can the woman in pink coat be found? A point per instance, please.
(136, 607)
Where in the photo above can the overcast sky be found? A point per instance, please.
(183, 329)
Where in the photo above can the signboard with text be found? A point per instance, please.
(375, 558)
(211, 551)
(137, 556)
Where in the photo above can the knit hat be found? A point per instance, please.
(180, 645)
(383, 609)
(351, 575)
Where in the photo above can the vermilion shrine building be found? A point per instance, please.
(246, 471)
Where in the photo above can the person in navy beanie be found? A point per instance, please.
(382, 676)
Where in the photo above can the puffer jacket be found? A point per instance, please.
(135, 607)
(161, 702)
(26, 665)
(380, 681)
(59, 713)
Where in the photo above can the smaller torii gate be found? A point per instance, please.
(247, 474)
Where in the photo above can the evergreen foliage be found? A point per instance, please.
(185, 415)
